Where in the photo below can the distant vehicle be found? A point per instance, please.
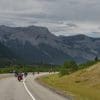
(38, 72)
(20, 77)
(33, 73)
(16, 74)
(25, 74)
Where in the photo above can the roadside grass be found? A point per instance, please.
(83, 84)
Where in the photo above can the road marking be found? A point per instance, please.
(33, 98)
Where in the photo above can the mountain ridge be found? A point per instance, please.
(38, 44)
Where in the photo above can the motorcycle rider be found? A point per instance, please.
(20, 76)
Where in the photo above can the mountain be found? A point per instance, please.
(6, 56)
(81, 47)
(36, 44)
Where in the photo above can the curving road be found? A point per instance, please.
(11, 89)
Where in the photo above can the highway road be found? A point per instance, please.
(29, 89)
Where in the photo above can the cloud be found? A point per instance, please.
(60, 16)
(72, 25)
(94, 34)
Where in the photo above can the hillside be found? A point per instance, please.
(6, 55)
(84, 84)
(36, 44)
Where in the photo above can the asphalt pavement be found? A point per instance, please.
(29, 89)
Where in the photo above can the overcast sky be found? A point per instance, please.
(62, 17)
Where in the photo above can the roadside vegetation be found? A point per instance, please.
(68, 67)
(71, 66)
(30, 68)
(83, 83)
(89, 63)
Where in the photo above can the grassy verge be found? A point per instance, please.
(84, 84)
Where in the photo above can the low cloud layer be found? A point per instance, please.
(62, 17)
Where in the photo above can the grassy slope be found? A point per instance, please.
(84, 84)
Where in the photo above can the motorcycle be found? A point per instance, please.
(20, 77)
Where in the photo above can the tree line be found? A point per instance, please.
(71, 66)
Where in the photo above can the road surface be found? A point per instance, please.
(11, 89)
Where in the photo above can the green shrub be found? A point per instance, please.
(88, 64)
(68, 67)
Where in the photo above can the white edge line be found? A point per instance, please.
(33, 98)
